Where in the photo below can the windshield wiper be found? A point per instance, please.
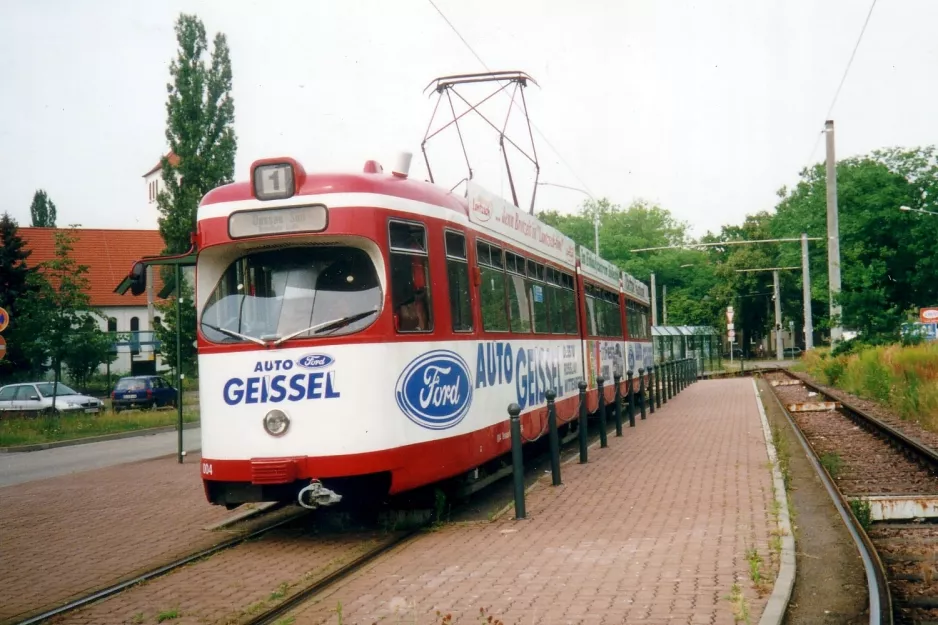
(328, 325)
(236, 335)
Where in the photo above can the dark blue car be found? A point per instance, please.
(142, 391)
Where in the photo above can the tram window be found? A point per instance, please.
(271, 294)
(457, 273)
(492, 288)
(410, 277)
(555, 305)
(614, 322)
(518, 297)
(568, 304)
(539, 301)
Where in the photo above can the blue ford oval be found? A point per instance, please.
(314, 361)
(435, 390)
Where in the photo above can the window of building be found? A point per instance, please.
(492, 289)
(111, 324)
(410, 277)
(457, 273)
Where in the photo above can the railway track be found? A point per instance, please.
(885, 485)
(104, 593)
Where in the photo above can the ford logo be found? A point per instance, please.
(314, 361)
(435, 390)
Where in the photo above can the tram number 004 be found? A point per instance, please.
(206, 468)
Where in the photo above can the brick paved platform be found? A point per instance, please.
(65, 536)
(654, 529)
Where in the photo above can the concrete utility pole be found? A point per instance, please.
(833, 237)
(654, 301)
(779, 349)
(664, 303)
(806, 285)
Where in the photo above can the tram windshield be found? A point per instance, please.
(297, 292)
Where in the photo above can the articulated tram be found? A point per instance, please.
(368, 329)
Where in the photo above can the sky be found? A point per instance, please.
(706, 108)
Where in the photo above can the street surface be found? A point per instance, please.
(28, 466)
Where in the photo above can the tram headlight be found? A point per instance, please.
(276, 422)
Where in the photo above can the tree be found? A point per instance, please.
(57, 323)
(199, 129)
(42, 210)
(166, 331)
(887, 255)
(14, 288)
(200, 132)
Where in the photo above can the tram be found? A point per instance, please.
(369, 330)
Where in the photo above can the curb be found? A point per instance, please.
(775, 608)
(96, 439)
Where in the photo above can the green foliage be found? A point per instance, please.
(57, 323)
(200, 131)
(42, 210)
(832, 462)
(14, 289)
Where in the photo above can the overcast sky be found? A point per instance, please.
(706, 108)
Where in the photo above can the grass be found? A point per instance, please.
(21, 430)
(902, 378)
(832, 463)
(167, 615)
(863, 512)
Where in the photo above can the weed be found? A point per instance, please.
(740, 607)
(280, 592)
(167, 615)
(137, 618)
(863, 512)
(832, 463)
(784, 455)
(287, 620)
(338, 612)
(775, 543)
(755, 565)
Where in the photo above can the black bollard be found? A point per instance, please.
(617, 411)
(582, 422)
(670, 366)
(652, 392)
(631, 400)
(554, 437)
(602, 411)
(641, 389)
(517, 462)
(659, 389)
(679, 376)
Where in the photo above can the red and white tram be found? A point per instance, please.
(371, 328)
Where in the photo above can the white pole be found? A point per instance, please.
(806, 284)
(654, 301)
(833, 237)
(779, 348)
(664, 303)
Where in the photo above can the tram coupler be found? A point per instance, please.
(317, 496)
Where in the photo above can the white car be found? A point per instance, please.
(37, 396)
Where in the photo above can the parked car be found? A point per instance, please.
(142, 391)
(792, 352)
(37, 396)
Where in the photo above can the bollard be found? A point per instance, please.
(617, 411)
(517, 463)
(670, 379)
(554, 437)
(602, 411)
(679, 377)
(665, 395)
(652, 380)
(641, 389)
(631, 400)
(658, 387)
(582, 422)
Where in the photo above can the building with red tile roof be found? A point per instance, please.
(109, 255)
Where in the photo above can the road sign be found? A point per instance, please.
(4, 319)
(729, 314)
(3, 347)
(731, 335)
(729, 326)
(926, 315)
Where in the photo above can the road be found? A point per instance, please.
(19, 467)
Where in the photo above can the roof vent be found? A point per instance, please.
(402, 164)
